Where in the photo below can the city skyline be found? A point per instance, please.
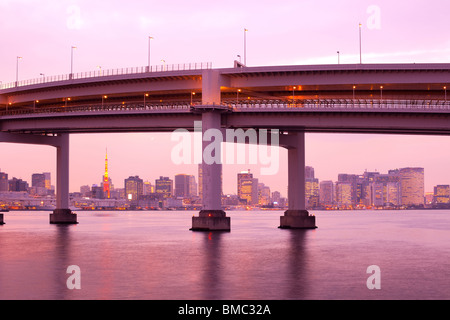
(398, 188)
(241, 186)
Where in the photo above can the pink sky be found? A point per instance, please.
(114, 34)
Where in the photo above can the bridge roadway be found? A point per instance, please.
(391, 99)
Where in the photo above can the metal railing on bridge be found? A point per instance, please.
(340, 105)
(106, 107)
(333, 105)
(109, 72)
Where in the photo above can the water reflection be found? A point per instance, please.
(62, 258)
(212, 272)
(297, 268)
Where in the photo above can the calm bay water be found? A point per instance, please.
(153, 255)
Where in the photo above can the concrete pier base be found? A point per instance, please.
(297, 219)
(211, 220)
(63, 216)
(1, 219)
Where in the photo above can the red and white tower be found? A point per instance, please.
(106, 185)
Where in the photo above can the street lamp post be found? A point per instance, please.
(445, 94)
(192, 95)
(360, 50)
(149, 40)
(339, 62)
(71, 62)
(245, 46)
(17, 70)
(237, 95)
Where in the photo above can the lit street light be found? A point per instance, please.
(245, 46)
(360, 50)
(149, 39)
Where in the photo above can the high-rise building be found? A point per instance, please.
(245, 187)
(4, 186)
(200, 181)
(38, 180)
(276, 197)
(41, 183)
(263, 194)
(185, 186)
(326, 193)
(441, 194)
(192, 186)
(352, 179)
(134, 187)
(344, 194)
(164, 185)
(85, 191)
(412, 186)
(17, 185)
(311, 188)
(377, 194)
(148, 188)
(393, 193)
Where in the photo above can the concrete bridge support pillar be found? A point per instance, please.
(211, 217)
(62, 214)
(297, 217)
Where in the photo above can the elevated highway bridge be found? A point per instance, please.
(379, 98)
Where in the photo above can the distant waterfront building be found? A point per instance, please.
(200, 181)
(377, 194)
(311, 188)
(4, 185)
(343, 194)
(276, 197)
(326, 193)
(148, 188)
(352, 180)
(17, 185)
(41, 183)
(412, 186)
(441, 195)
(263, 194)
(133, 187)
(393, 193)
(245, 187)
(185, 186)
(97, 192)
(164, 185)
(85, 191)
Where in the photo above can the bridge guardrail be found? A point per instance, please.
(342, 105)
(251, 105)
(109, 72)
(101, 108)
